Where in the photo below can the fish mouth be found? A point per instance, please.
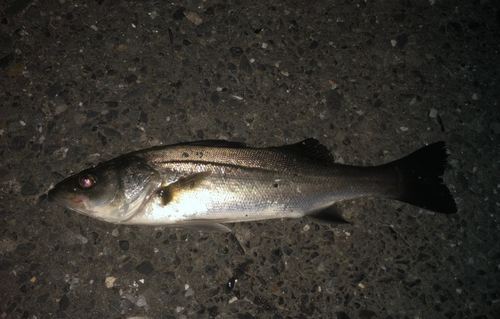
(69, 200)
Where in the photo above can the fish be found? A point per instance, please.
(203, 185)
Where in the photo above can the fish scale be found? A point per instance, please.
(202, 184)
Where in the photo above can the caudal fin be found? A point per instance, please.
(423, 185)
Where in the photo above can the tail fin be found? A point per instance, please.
(423, 185)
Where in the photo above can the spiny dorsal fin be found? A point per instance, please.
(214, 143)
(310, 148)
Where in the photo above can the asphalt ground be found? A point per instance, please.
(84, 82)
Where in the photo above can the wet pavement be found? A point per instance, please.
(84, 82)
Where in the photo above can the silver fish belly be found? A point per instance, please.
(203, 184)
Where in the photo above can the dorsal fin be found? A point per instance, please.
(310, 148)
(215, 143)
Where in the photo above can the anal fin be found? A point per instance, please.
(331, 214)
(209, 228)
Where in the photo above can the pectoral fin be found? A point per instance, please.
(188, 183)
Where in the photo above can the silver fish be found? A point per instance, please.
(200, 185)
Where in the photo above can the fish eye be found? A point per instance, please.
(87, 181)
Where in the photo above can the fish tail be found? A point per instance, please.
(422, 183)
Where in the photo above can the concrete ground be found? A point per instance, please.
(86, 81)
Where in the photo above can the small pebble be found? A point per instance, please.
(179, 309)
(189, 293)
(82, 239)
(110, 282)
(194, 17)
(61, 108)
(433, 113)
(141, 301)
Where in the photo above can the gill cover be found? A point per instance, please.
(112, 191)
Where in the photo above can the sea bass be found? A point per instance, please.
(201, 185)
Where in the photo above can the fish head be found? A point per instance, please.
(113, 191)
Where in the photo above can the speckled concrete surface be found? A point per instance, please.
(85, 81)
